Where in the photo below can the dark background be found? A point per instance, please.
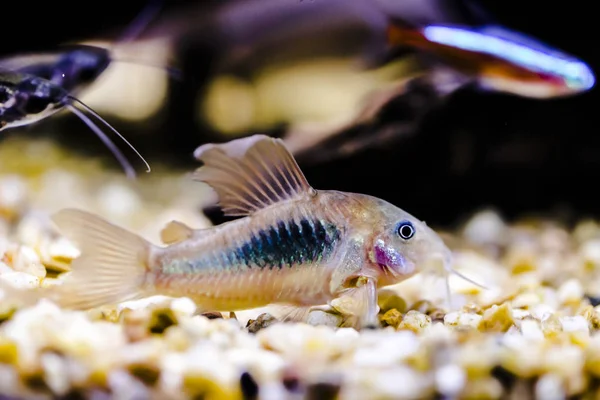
(518, 155)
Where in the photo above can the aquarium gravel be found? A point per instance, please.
(533, 333)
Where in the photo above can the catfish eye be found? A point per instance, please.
(406, 230)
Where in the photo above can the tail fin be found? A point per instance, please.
(112, 267)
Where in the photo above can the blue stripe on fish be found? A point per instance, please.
(286, 244)
(289, 243)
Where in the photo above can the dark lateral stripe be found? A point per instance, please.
(287, 244)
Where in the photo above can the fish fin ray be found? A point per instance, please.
(112, 265)
(250, 174)
(290, 313)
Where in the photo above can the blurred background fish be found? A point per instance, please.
(438, 95)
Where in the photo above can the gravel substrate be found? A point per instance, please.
(531, 334)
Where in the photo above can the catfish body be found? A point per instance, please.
(294, 245)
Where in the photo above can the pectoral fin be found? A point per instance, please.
(174, 232)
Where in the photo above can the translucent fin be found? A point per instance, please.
(175, 231)
(289, 313)
(250, 174)
(359, 304)
(112, 266)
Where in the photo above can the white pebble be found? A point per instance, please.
(125, 387)
(21, 280)
(450, 379)
(25, 259)
(570, 291)
(13, 191)
(541, 312)
(518, 313)
(458, 318)
(530, 329)
(318, 317)
(549, 387)
(399, 383)
(63, 248)
(141, 303)
(119, 200)
(55, 372)
(387, 351)
(485, 227)
(590, 251)
(573, 324)
(183, 305)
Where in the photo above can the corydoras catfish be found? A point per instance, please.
(293, 245)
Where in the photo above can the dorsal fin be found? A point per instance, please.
(250, 174)
(175, 231)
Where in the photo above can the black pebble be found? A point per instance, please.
(370, 327)
(249, 386)
(291, 383)
(594, 301)
(322, 391)
(505, 377)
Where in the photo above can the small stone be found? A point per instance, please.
(118, 200)
(497, 319)
(531, 330)
(542, 311)
(322, 391)
(462, 319)
(472, 308)
(147, 373)
(526, 300)
(485, 227)
(484, 388)
(437, 315)
(8, 351)
(248, 386)
(58, 254)
(574, 324)
(570, 292)
(594, 319)
(13, 196)
(423, 306)
(183, 306)
(55, 373)
(415, 321)
(24, 259)
(450, 380)
(212, 315)
(551, 326)
(388, 299)
(391, 318)
(262, 321)
(549, 387)
(197, 385)
(135, 324)
(519, 314)
(522, 259)
(21, 280)
(161, 319)
(318, 317)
